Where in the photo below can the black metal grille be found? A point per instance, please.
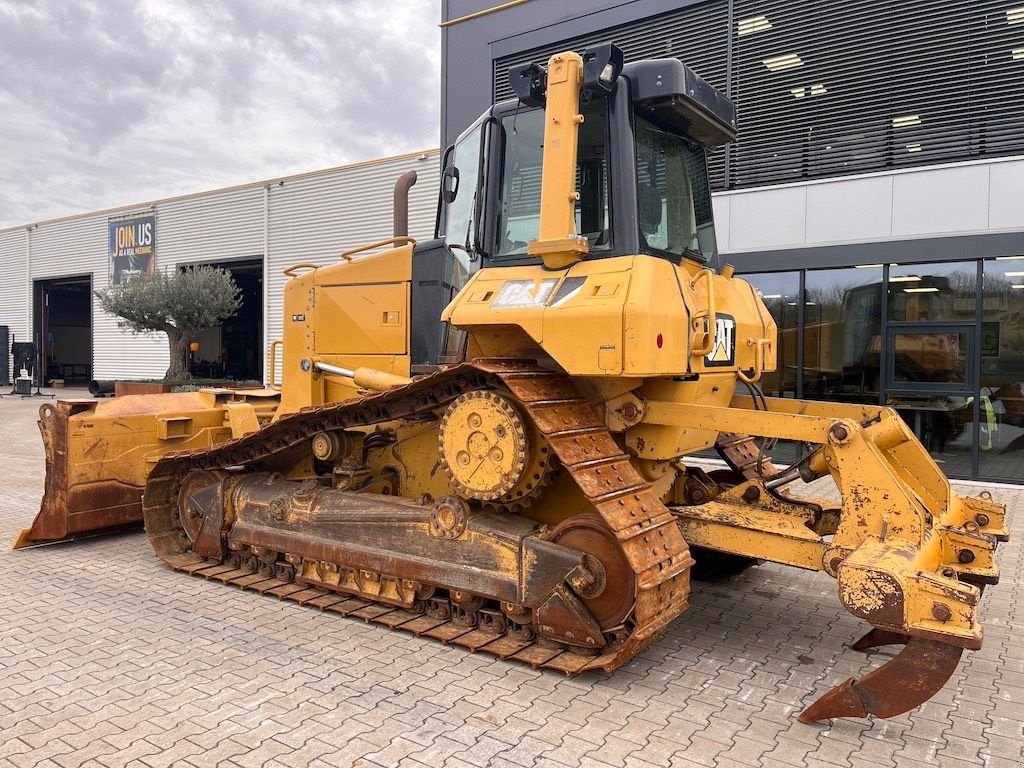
(826, 89)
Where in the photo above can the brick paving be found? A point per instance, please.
(107, 658)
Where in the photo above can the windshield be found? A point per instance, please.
(673, 197)
(522, 160)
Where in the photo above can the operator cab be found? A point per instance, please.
(641, 175)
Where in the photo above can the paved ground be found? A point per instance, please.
(108, 658)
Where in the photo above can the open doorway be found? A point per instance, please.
(234, 349)
(63, 329)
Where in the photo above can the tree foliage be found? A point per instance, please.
(179, 304)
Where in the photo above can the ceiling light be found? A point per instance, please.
(1014, 274)
(905, 279)
(868, 266)
(791, 303)
(782, 63)
(1015, 15)
(915, 147)
(1009, 258)
(1017, 54)
(771, 296)
(815, 90)
(810, 304)
(757, 24)
(920, 290)
(904, 121)
(1017, 285)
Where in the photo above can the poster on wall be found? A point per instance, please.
(131, 243)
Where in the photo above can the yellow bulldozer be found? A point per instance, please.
(481, 438)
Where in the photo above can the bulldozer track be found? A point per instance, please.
(644, 528)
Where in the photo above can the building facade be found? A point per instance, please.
(255, 231)
(875, 194)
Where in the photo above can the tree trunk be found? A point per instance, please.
(179, 343)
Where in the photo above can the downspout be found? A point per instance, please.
(266, 284)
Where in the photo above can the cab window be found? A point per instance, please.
(673, 197)
(518, 219)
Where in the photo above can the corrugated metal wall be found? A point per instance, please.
(312, 217)
(13, 284)
(315, 218)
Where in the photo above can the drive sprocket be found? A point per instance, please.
(484, 445)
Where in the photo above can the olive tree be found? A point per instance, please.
(180, 304)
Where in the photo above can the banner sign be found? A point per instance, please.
(131, 243)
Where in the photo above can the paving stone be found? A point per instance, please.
(108, 658)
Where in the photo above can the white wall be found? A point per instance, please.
(957, 199)
(310, 217)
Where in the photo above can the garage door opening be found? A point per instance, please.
(63, 329)
(234, 349)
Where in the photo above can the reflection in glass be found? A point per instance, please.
(522, 135)
(922, 292)
(944, 425)
(930, 358)
(842, 332)
(1001, 398)
(780, 292)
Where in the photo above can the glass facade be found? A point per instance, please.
(1001, 375)
(942, 343)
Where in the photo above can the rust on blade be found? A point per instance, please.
(66, 512)
(908, 680)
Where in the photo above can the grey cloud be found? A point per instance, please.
(113, 102)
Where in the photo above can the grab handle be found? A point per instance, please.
(704, 338)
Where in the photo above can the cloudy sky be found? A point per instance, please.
(113, 102)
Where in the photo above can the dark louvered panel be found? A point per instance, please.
(825, 89)
(828, 89)
(697, 35)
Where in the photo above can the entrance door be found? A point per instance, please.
(63, 329)
(930, 378)
(234, 349)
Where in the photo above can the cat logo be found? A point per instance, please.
(723, 350)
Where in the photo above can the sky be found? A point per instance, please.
(115, 102)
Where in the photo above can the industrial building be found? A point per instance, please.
(874, 195)
(255, 231)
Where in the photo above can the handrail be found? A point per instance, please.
(759, 345)
(291, 271)
(397, 240)
(273, 366)
(700, 350)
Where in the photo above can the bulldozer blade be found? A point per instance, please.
(876, 638)
(98, 456)
(906, 681)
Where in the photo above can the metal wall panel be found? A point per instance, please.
(932, 201)
(315, 218)
(14, 290)
(1006, 194)
(216, 227)
(974, 198)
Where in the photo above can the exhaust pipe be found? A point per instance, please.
(400, 212)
